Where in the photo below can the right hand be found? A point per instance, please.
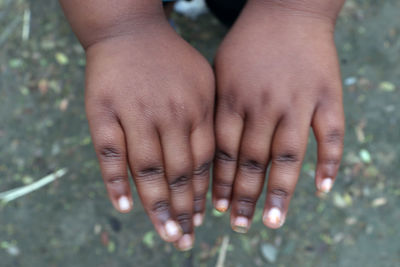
(149, 102)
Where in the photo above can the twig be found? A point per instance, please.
(12, 194)
(26, 25)
(222, 252)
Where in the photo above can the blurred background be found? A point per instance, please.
(70, 222)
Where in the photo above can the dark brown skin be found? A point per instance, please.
(150, 96)
(277, 74)
(149, 102)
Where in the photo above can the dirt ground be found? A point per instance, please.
(70, 222)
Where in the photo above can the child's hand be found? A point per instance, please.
(149, 102)
(277, 73)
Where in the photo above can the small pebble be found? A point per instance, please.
(269, 252)
(13, 250)
(350, 81)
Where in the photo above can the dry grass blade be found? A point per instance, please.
(12, 194)
(222, 252)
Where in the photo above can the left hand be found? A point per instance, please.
(277, 74)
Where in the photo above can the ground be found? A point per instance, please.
(70, 222)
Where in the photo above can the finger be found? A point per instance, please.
(228, 128)
(250, 176)
(179, 172)
(287, 153)
(109, 143)
(146, 162)
(203, 146)
(328, 126)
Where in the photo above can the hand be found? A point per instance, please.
(277, 73)
(149, 102)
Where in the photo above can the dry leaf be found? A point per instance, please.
(380, 201)
(43, 86)
(64, 104)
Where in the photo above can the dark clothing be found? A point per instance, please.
(226, 11)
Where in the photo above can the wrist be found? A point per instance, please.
(98, 20)
(131, 31)
(325, 11)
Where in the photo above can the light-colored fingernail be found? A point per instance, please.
(326, 185)
(274, 218)
(222, 205)
(241, 224)
(198, 219)
(123, 203)
(172, 229)
(185, 242)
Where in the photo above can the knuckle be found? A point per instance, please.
(177, 109)
(224, 156)
(334, 136)
(150, 173)
(110, 153)
(183, 217)
(203, 169)
(251, 166)
(115, 180)
(199, 202)
(245, 206)
(107, 102)
(265, 98)
(279, 192)
(245, 201)
(185, 220)
(199, 198)
(223, 184)
(103, 103)
(229, 101)
(288, 157)
(179, 182)
(161, 206)
(332, 160)
(281, 108)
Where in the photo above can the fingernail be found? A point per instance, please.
(172, 229)
(222, 205)
(198, 219)
(274, 218)
(241, 224)
(123, 203)
(326, 185)
(185, 242)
